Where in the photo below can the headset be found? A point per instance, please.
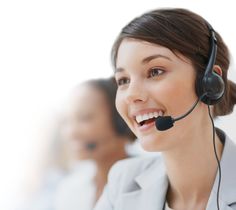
(211, 85)
(210, 89)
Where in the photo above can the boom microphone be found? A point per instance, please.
(91, 146)
(166, 122)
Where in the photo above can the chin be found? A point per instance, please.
(84, 156)
(150, 144)
(157, 142)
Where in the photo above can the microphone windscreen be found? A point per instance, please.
(91, 146)
(164, 123)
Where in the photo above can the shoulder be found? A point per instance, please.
(78, 182)
(122, 178)
(129, 176)
(124, 172)
(81, 175)
(134, 164)
(228, 172)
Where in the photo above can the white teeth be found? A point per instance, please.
(160, 113)
(140, 118)
(156, 114)
(145, 117)
(151, 115)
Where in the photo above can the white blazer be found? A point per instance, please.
(141, 183)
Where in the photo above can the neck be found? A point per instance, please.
(192, 169)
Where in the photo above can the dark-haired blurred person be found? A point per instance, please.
(97, 137)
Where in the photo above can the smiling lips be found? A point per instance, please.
(148, 117)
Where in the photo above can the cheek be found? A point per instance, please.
(175, 94)
(123, 110)
(81, 128)
(120, 105)
(70, 130)
(102, 122)
(96, 126)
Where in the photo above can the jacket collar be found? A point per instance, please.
(228, 176)
(152, 183)
(155, 172)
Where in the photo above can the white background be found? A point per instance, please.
(48, 46)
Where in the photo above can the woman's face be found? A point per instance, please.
(153, 81)
(88, 126)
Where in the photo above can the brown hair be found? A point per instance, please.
(108, 87)
(187, 33)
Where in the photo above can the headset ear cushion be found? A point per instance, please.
(213, 86)
(198, 84)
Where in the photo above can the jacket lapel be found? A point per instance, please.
(227, 196)
(151, 194)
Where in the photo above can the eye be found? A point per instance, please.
(122, 81)
(153, 72)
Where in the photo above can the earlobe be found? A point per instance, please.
(217, 69)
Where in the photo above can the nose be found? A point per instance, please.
(136, 93)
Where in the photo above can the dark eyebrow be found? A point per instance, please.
(146, 60)
(149, 58)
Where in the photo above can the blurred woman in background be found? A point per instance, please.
(94, 131)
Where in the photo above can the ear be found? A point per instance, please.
(217, 70)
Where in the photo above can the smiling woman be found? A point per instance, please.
(167, 61)
(47, 47)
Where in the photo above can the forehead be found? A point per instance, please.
(137, 50)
